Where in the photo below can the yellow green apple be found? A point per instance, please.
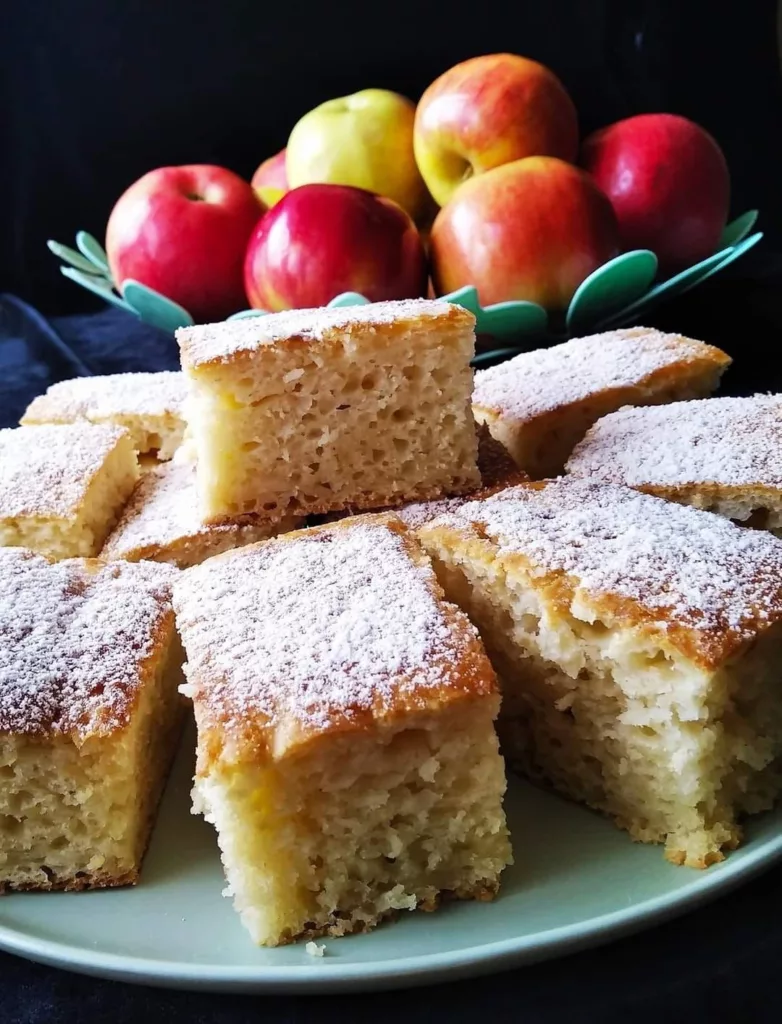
(489, 111)
(364, 140)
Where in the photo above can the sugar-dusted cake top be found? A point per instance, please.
(45, 471)
(704, 583)
(734, 442)
(535, 383)
(207, 343)
(162, 510)
(325, 630)
(74, 639)
(126, 394)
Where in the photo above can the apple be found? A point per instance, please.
(490, 111)
(270, 180)
(365, 140)
(321, 240)
(183, 231)
(532, 229)
(669, 184)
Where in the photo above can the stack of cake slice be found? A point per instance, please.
(345, 703)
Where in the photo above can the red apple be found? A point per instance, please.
(669, 184)
(532, 229)
(321, 240)
(489, 111)
(270, 180)
(183, 231)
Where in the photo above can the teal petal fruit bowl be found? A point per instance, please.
(618, 293)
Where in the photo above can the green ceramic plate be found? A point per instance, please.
(577, 881)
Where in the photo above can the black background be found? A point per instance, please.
(96, 92)
(93, 94)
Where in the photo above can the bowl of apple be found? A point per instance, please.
(480, 193)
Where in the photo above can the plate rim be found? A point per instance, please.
(327, 975)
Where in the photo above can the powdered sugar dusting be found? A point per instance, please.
(162, 510)
(207, 342)
(73, 636)
(680, 566)
(536, 382)
(46, 470)
(336, 623)
(101, 397)
(418, 513)
(730, 441)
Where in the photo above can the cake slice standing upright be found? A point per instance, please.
(346, 747)
(540, 404)
(318, 410)
(639, 645)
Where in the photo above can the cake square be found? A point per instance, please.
(317, 410)
(540, 404)
(719, 454)
(346, 749)
(62, 487)
(639, 646)
(147, 405)
(89, 715)
(161, 522)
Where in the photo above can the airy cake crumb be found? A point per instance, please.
(638, 643)
(315, 411)
(90, 666)
(346, 734)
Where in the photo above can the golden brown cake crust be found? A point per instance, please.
(496, 465)
(78, 640)
(691, 580)
(82, 882)
(484, 892)
(300, 328)
(323, 631)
